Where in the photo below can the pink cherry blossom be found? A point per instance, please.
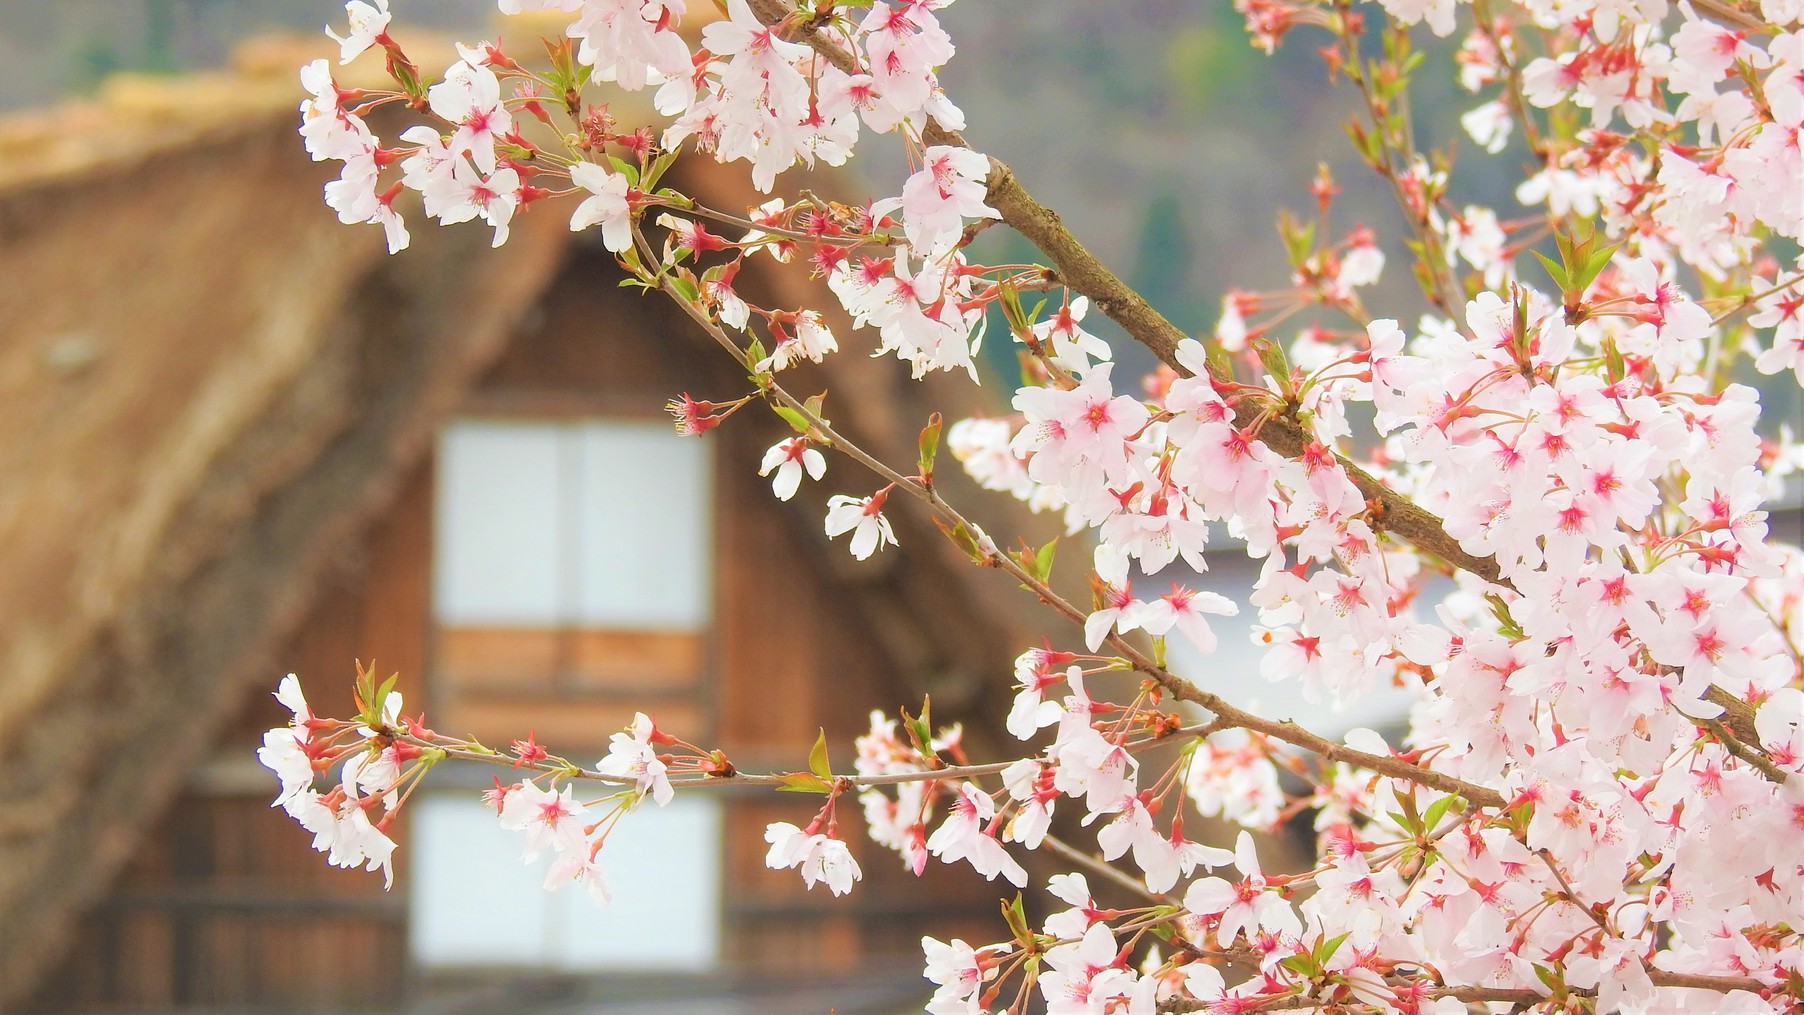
(368, 26)
(631, 755)
(821, 858)
(605, 206)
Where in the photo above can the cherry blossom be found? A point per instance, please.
(606, 206)
(936, 201)
(953, 966)
(631, 755)
(962, 836)
(1537, 508)
(470, 98)
(368, 27)
(820, 857)
(863, 518)
(1244, 907)
(549, 818)
(789, 460)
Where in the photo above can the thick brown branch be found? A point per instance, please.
(1084, 273)
(1737, 748)
(1731, 15)
(1519, 996)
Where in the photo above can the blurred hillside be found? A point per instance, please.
(1154, 127)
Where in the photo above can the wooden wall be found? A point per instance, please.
(225, 905)
(794, 647)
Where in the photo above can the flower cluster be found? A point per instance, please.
(1593, 803)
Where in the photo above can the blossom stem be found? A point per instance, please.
(1107, 871)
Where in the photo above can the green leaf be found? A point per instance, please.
(817, 758)
(1324, 952)
(626, 169)
(1036, 562)
(929, 447)
(656, 170)
(803, 782)
(1594, 267)
(1042, 560)
(1506, 624)
(1271, 356)
(920, 729)
(1016, 917)
(366, 685)
(1299, 239)
(963, 539)
(1011, 309)
(408, 77)
(1554, 271)
(1437, 811)
(1302, 965)
(563, 61)
(382, 694)
(796, 420)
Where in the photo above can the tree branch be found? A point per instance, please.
(1731, 15)
(1081, 271)
(1519, 996)
(709, 781)
(1105, 870)
(1179, 688)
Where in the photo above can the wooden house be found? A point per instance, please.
(242, 440)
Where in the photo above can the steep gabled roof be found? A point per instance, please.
(211, 387)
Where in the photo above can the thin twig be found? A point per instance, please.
(710, 781)
(1107, 871)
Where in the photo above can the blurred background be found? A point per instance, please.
(243, 441)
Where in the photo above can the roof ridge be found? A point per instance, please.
(137, 115)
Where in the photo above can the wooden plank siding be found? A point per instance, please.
(226, 906)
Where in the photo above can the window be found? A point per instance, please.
(599, 524)
(571, 584)
(473, 902)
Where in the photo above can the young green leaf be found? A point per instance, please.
(817, 758)
(802, 782)
(929, 447)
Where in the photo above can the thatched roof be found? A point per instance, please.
(210, 387)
